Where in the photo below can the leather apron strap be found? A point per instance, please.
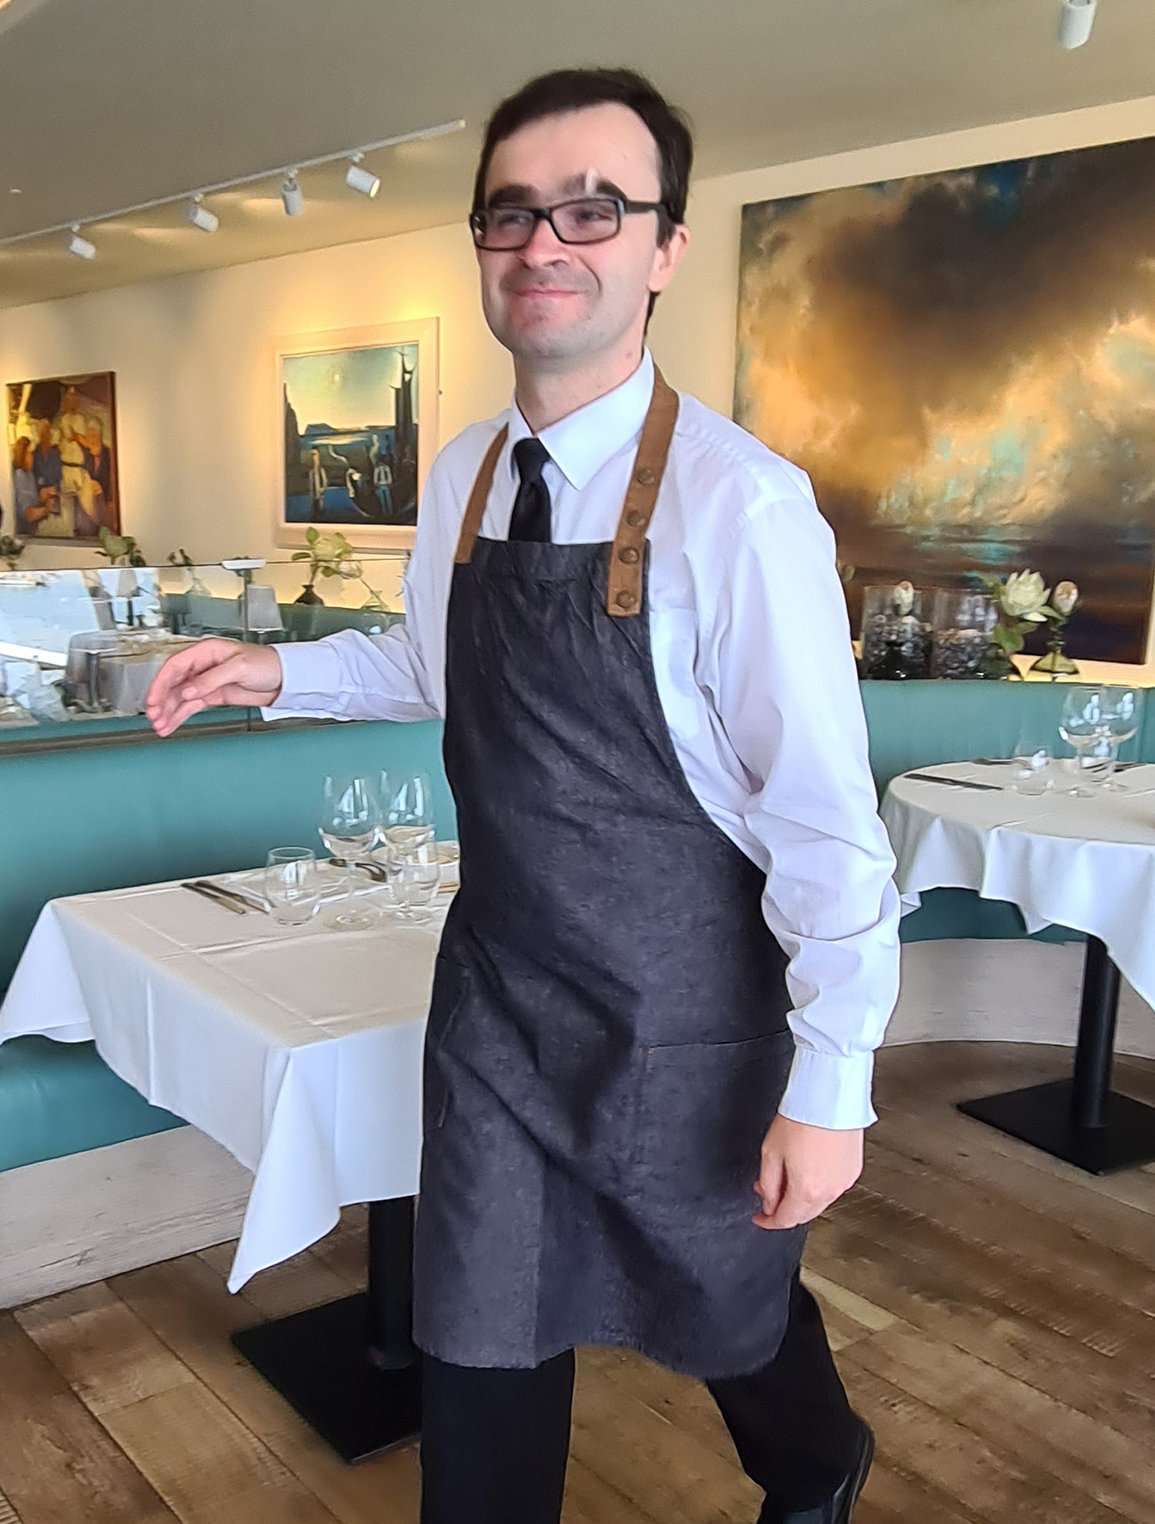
(624, 590)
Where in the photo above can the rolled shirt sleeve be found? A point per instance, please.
(787, 695)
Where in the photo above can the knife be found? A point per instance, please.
(953, 782)
(217, 899)
(240, 896)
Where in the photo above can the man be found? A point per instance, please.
(53, 514)
(96, 499)
(675, 937)
(71, 426)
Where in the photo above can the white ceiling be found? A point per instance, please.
(104, 105)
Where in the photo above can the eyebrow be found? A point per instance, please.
(527, 195)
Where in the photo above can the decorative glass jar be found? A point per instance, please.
(963, 625)
(896, 636)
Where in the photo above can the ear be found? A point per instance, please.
(667, 258)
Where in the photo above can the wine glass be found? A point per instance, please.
(350, 821)
(1084, 726)
(409, 816)
(1121, 712)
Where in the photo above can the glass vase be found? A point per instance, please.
(963, 625)
(1056, 663)
(896, 639)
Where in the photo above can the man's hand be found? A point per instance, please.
(804, 1170)
(208, 674)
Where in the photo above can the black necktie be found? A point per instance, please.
(530, 519)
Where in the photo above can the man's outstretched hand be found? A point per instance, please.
(804, 1170)
(208, 674)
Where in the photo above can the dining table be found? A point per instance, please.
(297, 1048)
(1085, 863)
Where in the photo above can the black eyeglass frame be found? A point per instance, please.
(623, 207)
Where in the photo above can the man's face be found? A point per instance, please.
(94, 440)
(574, 302)
(44, 429)
(70, 400)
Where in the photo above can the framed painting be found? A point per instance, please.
(964, 363)
(358, 415)
(62, 445)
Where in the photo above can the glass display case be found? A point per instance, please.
(79, 647)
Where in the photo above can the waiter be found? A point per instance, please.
(674, 945)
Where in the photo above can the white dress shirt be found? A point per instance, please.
(755, 676)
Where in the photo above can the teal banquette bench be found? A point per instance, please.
(104, 817)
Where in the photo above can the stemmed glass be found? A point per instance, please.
(1121, 712)
(409, 815)
(350, 821)
(1083, 724)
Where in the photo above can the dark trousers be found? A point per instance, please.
(495, 1442)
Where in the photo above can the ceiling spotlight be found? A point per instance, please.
(359, 179)
(200, 216)
(291, 196)
(80, 246)
(1075, 22)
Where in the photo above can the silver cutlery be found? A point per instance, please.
(374, 870)
(955, 782)
(217, 899)
(241, 896)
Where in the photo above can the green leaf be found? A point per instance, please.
(299, 555)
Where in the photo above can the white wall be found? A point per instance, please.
(198, 407)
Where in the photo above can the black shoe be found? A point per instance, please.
(837, 1508)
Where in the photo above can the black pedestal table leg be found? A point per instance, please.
(350, 1368)
(1081, 1120)
(1095, 1048)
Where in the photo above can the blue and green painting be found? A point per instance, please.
(350, 419)
(965, 364)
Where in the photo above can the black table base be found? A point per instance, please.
(349, 1368)
(1081, 1120)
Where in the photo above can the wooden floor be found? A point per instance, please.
(993, 1311)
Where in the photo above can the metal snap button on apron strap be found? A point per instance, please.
(625, 600)
(628, 554)
(644, 476)
(635, 519)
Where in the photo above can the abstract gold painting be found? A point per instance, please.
(964, 363)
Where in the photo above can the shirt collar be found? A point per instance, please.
(582, 442)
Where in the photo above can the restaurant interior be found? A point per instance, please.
(239, 316)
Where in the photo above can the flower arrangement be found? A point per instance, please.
(331, 555)
(1021, 600)
(1056, 661)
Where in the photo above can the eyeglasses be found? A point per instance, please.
(588, 219)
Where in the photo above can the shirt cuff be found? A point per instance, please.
(827, 1090)
(310, 679)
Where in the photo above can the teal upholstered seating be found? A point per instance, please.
(59, 1098)
(111, 816)
(105, 817)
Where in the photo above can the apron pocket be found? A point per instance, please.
(451, 983)
(704, 1110)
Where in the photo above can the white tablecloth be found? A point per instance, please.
(1084, 863)
(297, 1049)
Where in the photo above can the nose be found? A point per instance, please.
(544, 246)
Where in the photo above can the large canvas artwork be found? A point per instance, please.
(359, 418)
(62, 445)
(965, 364)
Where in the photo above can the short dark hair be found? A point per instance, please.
(574, 90)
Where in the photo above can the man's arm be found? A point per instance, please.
(788, 698)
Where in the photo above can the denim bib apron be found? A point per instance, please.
(607, 1042)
